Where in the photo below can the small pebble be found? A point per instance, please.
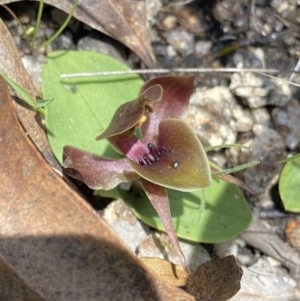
(171, 51)
(287, 123)
(123, 221)
(210, 114)
(153, 8)
(193, 21)
(259, 90)
(268, 147)
(181, 40)
(102, 44)
(283, 6)
(243, 119)
(202, 48)
(169, 22)
(262, 116)
(34, 65)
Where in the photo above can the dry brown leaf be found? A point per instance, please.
(215, 280)
(12, 288)
(53, 245)
(11, 65)
(166, 271)
(123, 20)
(292, 232)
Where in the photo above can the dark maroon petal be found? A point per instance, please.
(177, 91)
(235, 181)
(181, 161)
(160, 201)
(129, 115)
(95, 171)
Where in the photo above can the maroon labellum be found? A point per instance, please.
(154, 154)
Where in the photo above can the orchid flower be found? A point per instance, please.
(168, 154)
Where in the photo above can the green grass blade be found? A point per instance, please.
(23, 94)
(290, 159)
(236, 168)
(63, 26)
(38, 22)
(210, 148)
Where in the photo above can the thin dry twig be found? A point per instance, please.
(296, 70)
(281, 79)
(175, 3)
(164, 71)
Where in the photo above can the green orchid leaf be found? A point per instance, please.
(83, 108)
(226, 213)
(289, 185)
(183, 164)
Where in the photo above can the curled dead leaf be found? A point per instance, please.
(292, 232)
(215, 280)
(166, 271)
